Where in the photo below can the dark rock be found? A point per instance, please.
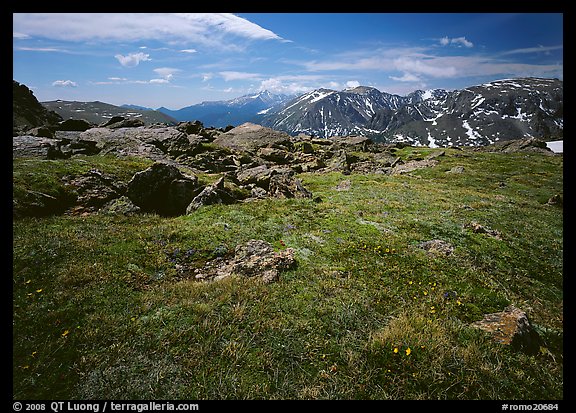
(39, 204)
(286, 186)
(210, 195)
(120, 122)
(190, 128)
(162, 189)
(518, 145)
(111, 121)
(80, 146)
(94, 189)
(75, 125)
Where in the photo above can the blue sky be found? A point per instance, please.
(179, 59)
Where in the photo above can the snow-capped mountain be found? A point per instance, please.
(478, 115)
(326, 112)
(229, 112)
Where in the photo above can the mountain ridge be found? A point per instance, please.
(477, 115)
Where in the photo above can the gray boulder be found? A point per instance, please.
(26, 146)
(249, 137)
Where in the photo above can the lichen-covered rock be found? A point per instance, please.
(255, 258)
(511, 327)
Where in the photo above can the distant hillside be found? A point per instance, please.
(99, 112)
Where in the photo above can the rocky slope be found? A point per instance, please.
(27, 112)
(254, 162)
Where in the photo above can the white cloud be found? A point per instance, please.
(423, 66)
(229, 23)
(166, 72)
(42, 49)
(64, 83)
(537, 49)
(17, 35)
(159, 81)
(233, 75)
(462, 41)
(132, 59)
(352, 83)
(406, 77)
(207, 29)
(188, 51)
(278, 85)
(294, 84)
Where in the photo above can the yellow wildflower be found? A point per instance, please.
(408, 351)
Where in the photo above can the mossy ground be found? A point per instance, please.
(101, 311)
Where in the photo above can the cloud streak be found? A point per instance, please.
(205, 29)
(419, 64)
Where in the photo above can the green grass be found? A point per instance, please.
(100, 310)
